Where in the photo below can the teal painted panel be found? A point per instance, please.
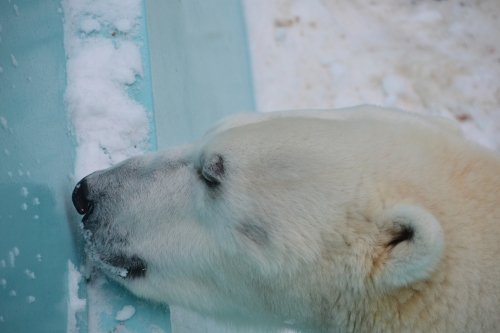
(35, 163)
(142, 90)
(200, 66)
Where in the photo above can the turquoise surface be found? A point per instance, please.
(200, 64)
(36, 157)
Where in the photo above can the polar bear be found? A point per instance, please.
(355, 220)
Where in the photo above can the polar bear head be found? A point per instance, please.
(295, 217)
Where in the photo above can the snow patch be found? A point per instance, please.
(4, 123)
(123, 25)
(75, 303)
(89, 25)
(434, 57)
(14, 60)
(12, 256)
(30, 274)
(125, 313)
(109, 125)
(24, 191)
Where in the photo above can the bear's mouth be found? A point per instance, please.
(103, 246)
(117, 265)
(105, 252)
(129, 267)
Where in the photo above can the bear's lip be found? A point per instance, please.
(112, 261)
(129, 267)
(118, 265)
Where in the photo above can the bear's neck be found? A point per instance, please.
(464, 197)
(477, 178)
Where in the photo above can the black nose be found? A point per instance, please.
(80, 197)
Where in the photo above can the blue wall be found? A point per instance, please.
(35, 163)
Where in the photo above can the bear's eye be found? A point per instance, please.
(209, 180)
(212, 171)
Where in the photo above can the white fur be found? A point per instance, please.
(305, 227)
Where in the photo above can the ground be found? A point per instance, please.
(437, 57)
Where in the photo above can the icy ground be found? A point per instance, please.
(437, 57)
(427, 56)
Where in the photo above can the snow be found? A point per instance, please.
(13, 253)
(4, 123)
(75, 303)
(88, 25)
(24, 191)
(16, 9)
(123, 25)
(435, 57)
(14, 60)
(108, 124)
(98, 305)
(30, 274)
(125, 313)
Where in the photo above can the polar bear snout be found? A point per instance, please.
(84, 204)
(80, 197)
(98, 197)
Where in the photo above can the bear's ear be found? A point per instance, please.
(412, 246)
